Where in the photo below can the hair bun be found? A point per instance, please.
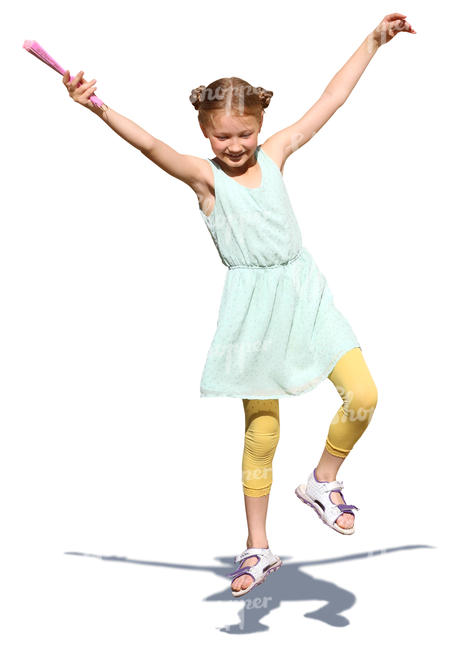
(195, 97)
(264, 96)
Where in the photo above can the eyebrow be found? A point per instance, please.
(223, 133)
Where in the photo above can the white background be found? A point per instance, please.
(121, 499)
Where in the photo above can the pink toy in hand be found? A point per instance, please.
(35, 48)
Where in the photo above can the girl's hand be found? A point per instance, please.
(80, 93)
(389, 27)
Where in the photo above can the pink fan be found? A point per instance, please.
(35, 48)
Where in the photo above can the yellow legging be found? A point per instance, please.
(352, 379)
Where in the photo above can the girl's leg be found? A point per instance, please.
(262, 432)
(356, 387)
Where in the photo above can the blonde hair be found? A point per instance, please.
(231, 95)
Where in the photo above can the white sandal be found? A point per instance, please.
(267, 563)
(317, 495)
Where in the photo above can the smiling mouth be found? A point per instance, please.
(235, 157)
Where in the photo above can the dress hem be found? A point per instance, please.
(308, 387)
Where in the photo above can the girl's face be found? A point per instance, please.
(233, 137)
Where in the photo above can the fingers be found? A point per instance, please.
(72, 85)
(392, 27)
(84, 86)
(89, 90)
(394, 16)
(78, 87)
(400, 26)
(407, 28)
(77, 80)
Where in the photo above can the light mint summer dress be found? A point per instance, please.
(278, 332)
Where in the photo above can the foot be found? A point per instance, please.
(242, 582)
(345, 520)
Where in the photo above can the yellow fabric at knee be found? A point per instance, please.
(262, 432)
(359, 393)
(335, 451)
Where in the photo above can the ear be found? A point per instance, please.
(260, 122)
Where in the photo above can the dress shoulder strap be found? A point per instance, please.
(268, 161)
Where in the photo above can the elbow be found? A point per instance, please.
(337, 98)
(147, 147)
(342, 99)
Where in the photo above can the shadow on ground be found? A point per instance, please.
(289, 583)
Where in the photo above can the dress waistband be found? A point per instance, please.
(272, 266)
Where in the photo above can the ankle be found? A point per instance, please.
(257, 542)
(325, 476)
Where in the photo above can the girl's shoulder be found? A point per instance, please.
(273, 154)
(203, 177)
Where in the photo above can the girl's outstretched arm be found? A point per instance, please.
(189, 169)
(288, 140)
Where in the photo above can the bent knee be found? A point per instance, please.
(363, 398)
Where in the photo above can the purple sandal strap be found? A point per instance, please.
(345, 508)
(242, 558)
(239, 572)
(242, 569)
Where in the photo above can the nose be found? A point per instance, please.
(235, 146)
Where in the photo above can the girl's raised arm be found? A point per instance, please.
(288, 140)
(189, 169)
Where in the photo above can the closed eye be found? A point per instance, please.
(242, 136)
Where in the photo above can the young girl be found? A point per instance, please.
(278, 333)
